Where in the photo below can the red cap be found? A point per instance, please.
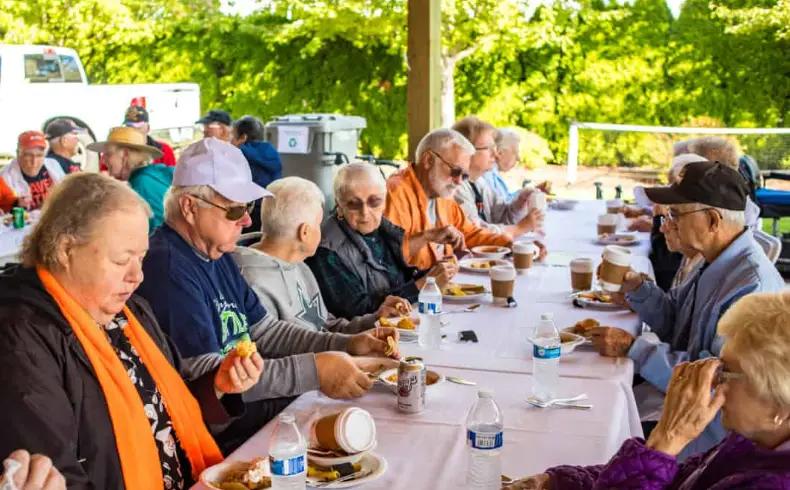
(32, 139)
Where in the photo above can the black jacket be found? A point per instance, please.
(51, 400)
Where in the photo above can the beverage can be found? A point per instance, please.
(411, 385)
(19, 217)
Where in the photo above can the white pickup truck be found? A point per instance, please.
(42, 83)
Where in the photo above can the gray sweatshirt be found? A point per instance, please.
(290, 292)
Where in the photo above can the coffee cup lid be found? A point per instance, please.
(582, 264)
(355, 430)
(503, 273)
(617, 255)
(608, 219)
(524, 247)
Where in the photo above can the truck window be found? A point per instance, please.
(71, 70)
(42, 69)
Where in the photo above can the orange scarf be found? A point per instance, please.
(140, 464)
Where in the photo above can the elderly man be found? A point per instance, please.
(420, 200)
(63, 137)
(275, 268)
(217, 124)
(706, 209)
(481, 204)
(31, 175)
(201, 299)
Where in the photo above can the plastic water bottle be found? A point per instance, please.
(429, 334)
(287, 455)
(484, 439)
(545, 358)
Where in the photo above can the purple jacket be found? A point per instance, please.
(734, 463)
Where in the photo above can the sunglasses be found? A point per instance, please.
(232, 213)
(373, 202)
(455, 172)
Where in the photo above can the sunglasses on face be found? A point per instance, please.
(455, 172)
(372, 202)
(232, 213)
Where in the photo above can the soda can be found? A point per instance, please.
(19, 217)
(411, 385)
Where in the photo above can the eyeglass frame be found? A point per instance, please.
(672, 217)
(453, 169)
(247, 208)
(365, 203)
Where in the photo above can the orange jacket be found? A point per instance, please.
(7, 196)
(407, 207)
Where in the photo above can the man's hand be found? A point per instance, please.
(611, 342)
(531, 221)
(34, 472)
(542, 250)
(237, 374)
(339, 376)
(448, 235)
(443, 272)
(374, 343)
(522, 198)
(393, 306)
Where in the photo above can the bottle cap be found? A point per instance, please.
(286, 418)
(485, 393)
(547, 316)
(430, 280)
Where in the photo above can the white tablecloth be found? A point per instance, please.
(427, 450)
(11, 242)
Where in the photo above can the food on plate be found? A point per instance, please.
(585, 327)
(615, 238)
(406, 323)
(457, 289)
(332, 473)
(430, 377)
(450, 258)
(245, 348)
(385, 322)
(489, 249)
(483, 265)
(597, 296)
(252, 476)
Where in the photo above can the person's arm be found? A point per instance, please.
(355, 325)
(341, 287)
(278, 338)
(656, 307)
(473, 234)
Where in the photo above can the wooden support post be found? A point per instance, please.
(425, 70)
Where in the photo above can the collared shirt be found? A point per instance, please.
(684, 320)
(68, 165)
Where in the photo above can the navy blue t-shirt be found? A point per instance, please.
(205, 306)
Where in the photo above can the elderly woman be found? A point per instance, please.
(507, 156)
(751, 386)
(127, 156)
(359, 262)
(275, 268)
(86, 375)
(31, 175)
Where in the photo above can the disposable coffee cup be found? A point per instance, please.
(607, 224)
(537, 200)
(352, 430)
(614, 206)
(503, 281)
(616, 262)
(524, 253)
(581, 274)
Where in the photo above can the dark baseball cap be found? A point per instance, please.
(710, 183)
(216, 116)
(135, 114)
(59, 127)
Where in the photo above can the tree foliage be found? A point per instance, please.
(513, 64)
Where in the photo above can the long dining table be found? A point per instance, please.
(428, 450)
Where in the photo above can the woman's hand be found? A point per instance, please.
(535, 482)
(393, 306)
(237, 374)
(688, 407)
(611, 341)
(444, 272)
(532, 221)
(34, 472)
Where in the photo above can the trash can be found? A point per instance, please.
(313, 146)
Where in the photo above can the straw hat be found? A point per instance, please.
(127, 137)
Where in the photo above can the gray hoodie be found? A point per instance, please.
(290, 292)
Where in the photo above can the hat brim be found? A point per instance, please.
(242, 192)
(666, 195)
(100, 146)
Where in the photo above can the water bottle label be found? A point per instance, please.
(539, 352)
(287, 467)
(429, 308)
(484, 440)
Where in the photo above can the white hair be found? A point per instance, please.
(355, 173)
(507, 138)
(173, 210)
(296, 200)
(730, 217)
(679, 162)
(441, 139)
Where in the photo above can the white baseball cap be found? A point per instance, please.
(222, 167)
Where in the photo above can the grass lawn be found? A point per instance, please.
(784, 225)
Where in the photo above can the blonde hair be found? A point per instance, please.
(295, 200)
(72, 211)
(472, 126)
(715, 149)
(756, 329)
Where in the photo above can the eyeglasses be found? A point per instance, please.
(485, 148)
(673, 215)
(455, 172)
(722, 376)
(372, 202)
(232, 213)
